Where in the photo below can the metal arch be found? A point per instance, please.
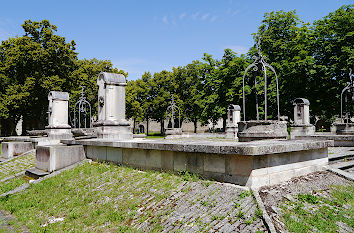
(349, 88)
(81, 105)
(260, 60)
(171, 112)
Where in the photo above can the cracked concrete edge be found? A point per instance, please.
(342, 173)
(18, 156)
(27, 185)
(13, 176)
(267, 220)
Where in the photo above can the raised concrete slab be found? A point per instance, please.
(36, 173)
(254, 164)
(11, 149)
(339, 140)
(253, 148)
(55, 157)
(36, 141)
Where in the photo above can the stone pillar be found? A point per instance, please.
(233, 117)
(111, 122)
(301, 125)
(58, 112)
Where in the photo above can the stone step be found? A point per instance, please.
(343, 165)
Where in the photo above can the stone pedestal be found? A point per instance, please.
(58, 127)
(11, 149)
(343, 128)
(233, 117)
(301, 126)
(302, 130)
(53, 158)
(173, 131)
(111, 123)
(259, 130)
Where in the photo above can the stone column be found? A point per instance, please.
(233, 117)
(58, 112)
(111, 122)
(301, 125)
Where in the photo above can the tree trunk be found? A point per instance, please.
(162, 129)
(195, 125)
(147, 126)
(134, 126)
(223, 123)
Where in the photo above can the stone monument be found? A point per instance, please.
(170, 112)
(233, 117)
(301, 125)
(111, 122)
(58, 127)
(261, 129)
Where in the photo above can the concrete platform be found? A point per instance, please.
(55, 157)
(36, 141)
(339, 140)
(253, 164)
(11, 149)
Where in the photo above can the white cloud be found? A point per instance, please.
(205, 16)
(239, 49)
(195, 15)
(164, 19)
(212, 19)
(181, 16)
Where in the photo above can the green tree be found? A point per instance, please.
(285, 41)
(332, 48)
(31, 66)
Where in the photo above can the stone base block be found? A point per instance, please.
(116, 132)
(253, 171)
(231, 132)
(173, 131)
(57, 133)
(301, 130)
(55, 157)
(11, 149)
(343, 128)
(259, 130)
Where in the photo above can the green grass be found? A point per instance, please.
(309, 213)
(92, 197)
(11, 184)
(152, 137)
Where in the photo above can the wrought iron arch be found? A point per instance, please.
(170, 113)
(81, 105)
(350, 89)
(259, 61)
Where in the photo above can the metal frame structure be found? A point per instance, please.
(170, 112)
(350, 89)
(82, 105)
(260, 61)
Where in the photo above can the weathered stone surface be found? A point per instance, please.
(257, 130)
(279, 161)
(111, 121)
(338, 140)
(11, 149)
(55, 157)
(58, 115)
(343, 128)
(253, 148)
(40, 141)
(173, 131)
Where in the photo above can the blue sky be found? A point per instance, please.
(140, 36)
